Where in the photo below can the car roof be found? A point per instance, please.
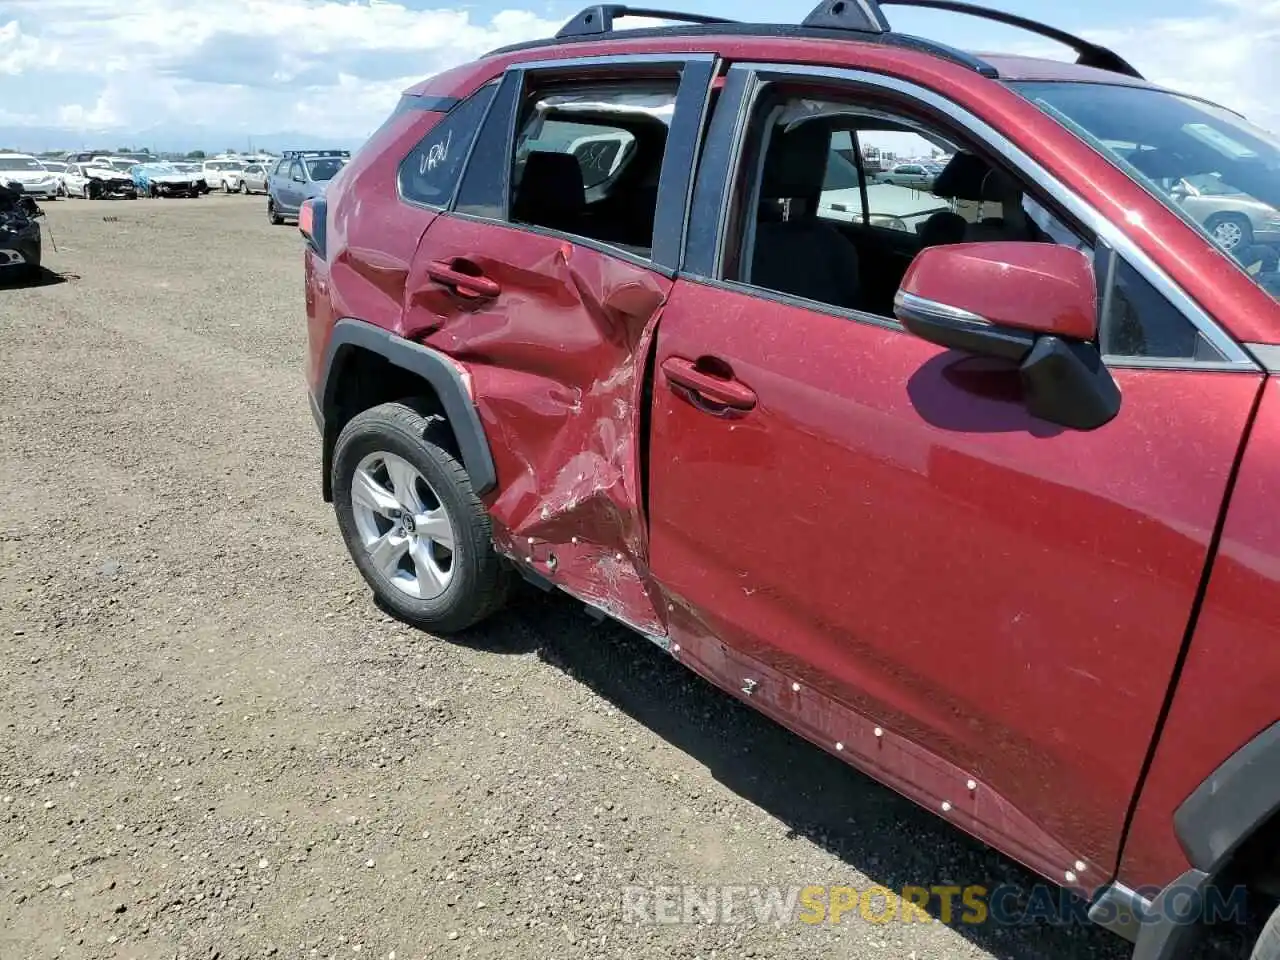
(833, 34)
(1015, 67)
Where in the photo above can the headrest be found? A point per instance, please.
(969, 177)
(796, 163)
(942, 228)
(551, 190)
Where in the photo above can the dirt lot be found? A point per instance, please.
(214, 745)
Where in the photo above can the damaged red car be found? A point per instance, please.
(972, 484)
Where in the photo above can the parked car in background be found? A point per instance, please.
(120, 164)
(194, 169)
(98, 180)
(165, 180)
(223, 174)
(914, 175)
(253, 179)
(984, 509)
(36, 179)
(1232, 217)
(300, 175)
(20, 242)
(58, 168)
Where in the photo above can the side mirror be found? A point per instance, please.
(1034, 304)
(299, 178)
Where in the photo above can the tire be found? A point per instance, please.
(390, 442)
(88, 194)
(1230, 230)
(1267, 946)
(226, 187)
(274, 217)
(244, 187)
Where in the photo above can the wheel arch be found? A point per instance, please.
(1222, 825)
(366, 365)
(1237, 802)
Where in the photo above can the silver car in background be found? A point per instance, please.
(1232, 217)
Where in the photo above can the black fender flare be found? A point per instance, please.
(1211, 825)
(434, 367)
(1232, 802)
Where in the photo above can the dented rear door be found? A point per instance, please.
(554, 329)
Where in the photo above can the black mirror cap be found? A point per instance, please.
(1067, 383)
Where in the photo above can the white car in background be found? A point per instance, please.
(97, 178)
(59, 169)
(224, 175)
(36, 179)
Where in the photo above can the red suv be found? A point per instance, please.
(972, 485)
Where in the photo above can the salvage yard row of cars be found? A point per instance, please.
(287, 180)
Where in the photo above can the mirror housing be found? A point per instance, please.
(1035, 304)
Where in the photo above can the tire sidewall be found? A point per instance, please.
(373, 433)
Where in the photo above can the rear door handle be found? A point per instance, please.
(720, 391)
(464, 278)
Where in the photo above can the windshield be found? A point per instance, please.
(1215, 169)
(20, 163)
(325, 168)
(124, 166)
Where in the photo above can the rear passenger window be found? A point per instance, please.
(430, 172)
(588, 160)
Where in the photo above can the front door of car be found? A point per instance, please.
(873, 537)
(548, 292)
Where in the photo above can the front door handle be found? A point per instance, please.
(464, 278)
(716, 390)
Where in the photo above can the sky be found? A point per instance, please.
(190, 69)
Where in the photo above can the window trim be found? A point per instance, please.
(726, 139)
(694, 74)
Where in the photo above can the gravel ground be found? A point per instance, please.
(215, 745)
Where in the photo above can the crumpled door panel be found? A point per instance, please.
(557, 364)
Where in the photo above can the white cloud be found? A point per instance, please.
(324, 67)
(1230, 55)
(333, 68)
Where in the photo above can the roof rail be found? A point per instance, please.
(599, 19)
(830, 18)
(1088, 54)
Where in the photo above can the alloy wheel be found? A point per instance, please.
(403, 525)
(1228, 233)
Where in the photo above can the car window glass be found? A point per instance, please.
(1214, 169)
(429, 173)
(324, 168)
(811, 236)
(588, 160)
(295, 169)
(806, 232)
(1137, 321)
